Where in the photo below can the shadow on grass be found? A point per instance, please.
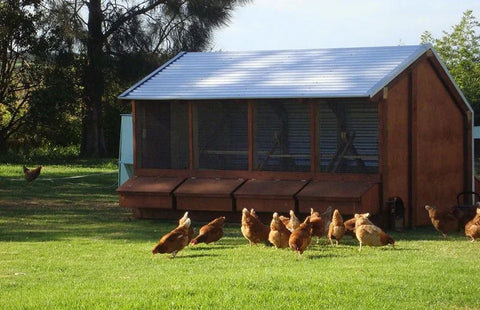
(196, 256)
(316, 255)
(210, 247)
(27, 223)
(425, 233)
(39, 222)
(182, 255)
(95, 187)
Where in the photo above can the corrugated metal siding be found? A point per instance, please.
(321, 73)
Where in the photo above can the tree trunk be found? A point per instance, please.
(93, 141)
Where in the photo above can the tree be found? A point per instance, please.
(115, 29)
(460, 51)
(18, 75)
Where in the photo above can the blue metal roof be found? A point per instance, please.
(317, 73)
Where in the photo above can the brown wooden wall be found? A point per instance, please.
(396, 143)
(425, 142)
(438, 148)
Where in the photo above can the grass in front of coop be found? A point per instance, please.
(67, 244)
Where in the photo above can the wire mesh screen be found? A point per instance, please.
(221, 135)
(348, 137)
(162, 135)
(282, 136)
(328, 136)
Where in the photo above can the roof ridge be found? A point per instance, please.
(308, 49)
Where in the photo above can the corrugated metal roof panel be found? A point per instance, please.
(320, 73)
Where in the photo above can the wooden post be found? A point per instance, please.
(468, 155)
(382, 112)
(134, 142)
(412, 148)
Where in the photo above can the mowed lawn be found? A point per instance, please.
(65, 244)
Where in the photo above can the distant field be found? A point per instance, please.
(65, 244)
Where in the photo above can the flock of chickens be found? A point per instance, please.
(284, 232)
(290, 232)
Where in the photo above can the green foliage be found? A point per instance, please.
(460, 51)
(19, 76)
(48, 86)
(65, 244)
(51, 154)
(147, 33)
(56, 107)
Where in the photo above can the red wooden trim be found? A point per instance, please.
(261, 175)
(191, 152)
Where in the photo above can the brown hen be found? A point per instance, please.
(174, 241)
(210, 232)
(444, 221)
(350, 225)
(369, 234)
(301, 237)
(291, 222)
(319, 222)
(336, 230)
(472, 228)
(279, 234)
(31, 174)
(181, 221)
(253, 229)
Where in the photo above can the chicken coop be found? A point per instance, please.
(216, 132)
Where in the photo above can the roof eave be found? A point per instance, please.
(457, 88)
(180, 98)
(375, 89)
(124, 95)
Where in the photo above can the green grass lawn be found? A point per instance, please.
(65, 244)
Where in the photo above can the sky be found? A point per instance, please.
(307, 24)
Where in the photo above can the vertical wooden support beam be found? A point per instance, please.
(313, 137)
(191, 152)
(382, 115)
(468, 156)
(134, 142)
(251, 138)
(412, 147)
(382, 112)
